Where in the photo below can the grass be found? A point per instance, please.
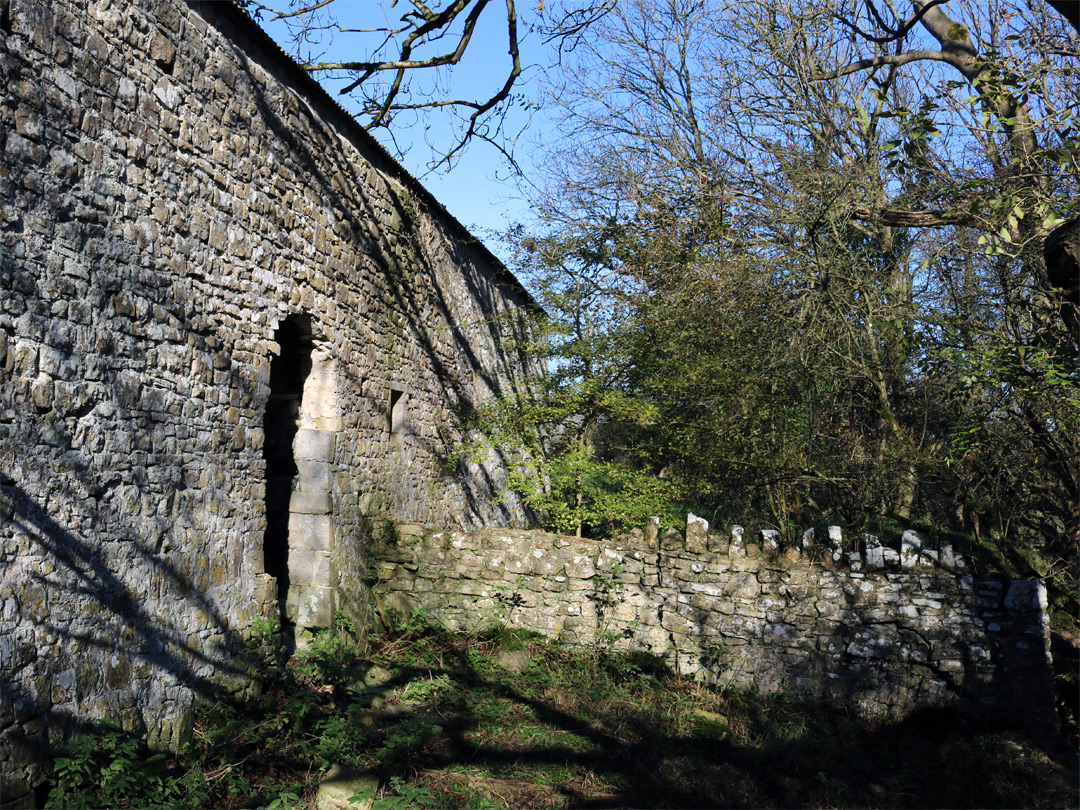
(443, 724)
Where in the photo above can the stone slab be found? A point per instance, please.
(307, 502)
(314, 445)
(311, 531)
(341, 784)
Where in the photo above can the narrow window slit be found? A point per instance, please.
(397, 415)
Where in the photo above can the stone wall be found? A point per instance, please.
(884, 630)
(232, 329)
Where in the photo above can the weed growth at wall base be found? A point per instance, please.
(441, 722)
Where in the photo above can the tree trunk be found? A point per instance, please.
(1062, 253)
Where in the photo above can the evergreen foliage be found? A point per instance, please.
(790, 285)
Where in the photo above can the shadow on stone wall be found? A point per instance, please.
(408, 271)
(84, 644)
(127, 587)
(885, 641)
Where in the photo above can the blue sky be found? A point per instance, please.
(474, 190)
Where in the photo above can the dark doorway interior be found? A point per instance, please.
(287, 374)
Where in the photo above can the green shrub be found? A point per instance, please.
(111, 768)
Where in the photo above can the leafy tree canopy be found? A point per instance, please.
(793, 257)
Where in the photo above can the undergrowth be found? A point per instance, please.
(504, 720)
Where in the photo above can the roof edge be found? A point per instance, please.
(316, 92)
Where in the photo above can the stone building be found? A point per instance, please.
(232, 331)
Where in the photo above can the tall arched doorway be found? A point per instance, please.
(301, 425)
(288, 372)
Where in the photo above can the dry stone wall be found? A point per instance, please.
(232, 329)
(886, 631)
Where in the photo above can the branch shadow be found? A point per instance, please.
(798, 752)
(406, 258)
(119, 658)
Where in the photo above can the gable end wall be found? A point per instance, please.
(171, 193)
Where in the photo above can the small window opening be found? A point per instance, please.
(397, 416)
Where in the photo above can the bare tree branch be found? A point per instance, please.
(894, 60)
(297, 12)
(429, 42)
(892, 34)
(938, 218)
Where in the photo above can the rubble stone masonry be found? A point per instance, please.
(883, 631)
(232, 329)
